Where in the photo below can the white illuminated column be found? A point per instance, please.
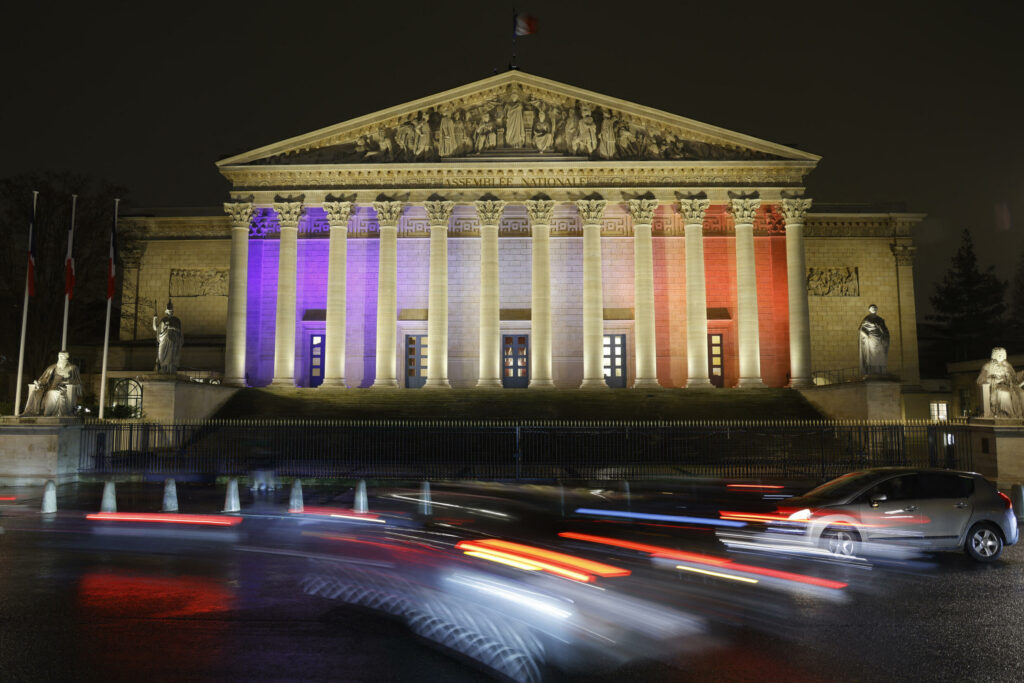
(289, 212)
(438, 213)
(489, 211)
(642, 212)
(591, 212)
(747, 331)
(234, 347)
(799, 314)
(696, 294)
(539, 211)
(388, 214)
(334, 327)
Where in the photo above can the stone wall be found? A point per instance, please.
(32, 453)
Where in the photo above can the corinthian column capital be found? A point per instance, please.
(240, 213)
(490, 210)
(591, 210)
(388, 213)
(439, 211)
(338, 213)
(540, 210)
(642, 210)
(794, 209)
(693, 210)
(743, 210)
(289, 210)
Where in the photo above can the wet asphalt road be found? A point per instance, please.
(182, 610)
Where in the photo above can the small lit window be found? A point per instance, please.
(939, 410)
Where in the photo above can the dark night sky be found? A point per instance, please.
(920, 103)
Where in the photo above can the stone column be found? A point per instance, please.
(591, 212)
(642, 212)
(910, 371)
(747, 331)
(289, 210)
(388, 214)
(235, 333)
(490, 211)
(539, 211)
(438, 213)
(696, 294)
(334, 328)
(796, 276)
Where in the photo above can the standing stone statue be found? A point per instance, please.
(56, 392)
(1005, 397)
(874, 343)
(169, 340)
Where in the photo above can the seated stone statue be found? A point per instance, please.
(1006, 398)
(57, 391)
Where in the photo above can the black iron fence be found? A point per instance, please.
(544, 450)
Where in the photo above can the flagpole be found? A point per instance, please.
(67, 294)
(24, 313)
(106, 329)
(512, 64)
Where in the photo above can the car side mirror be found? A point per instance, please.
(878, 498)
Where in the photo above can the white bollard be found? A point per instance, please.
(49, 497)
(231, 503)
(426, 509)
(170, 496)
(295, 503)
(1017, 498)
(109, 502)
(360, 504)
(629, 496)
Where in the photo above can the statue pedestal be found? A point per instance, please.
(876, 398)
(997, 446)
(167, 398)
(36, 449)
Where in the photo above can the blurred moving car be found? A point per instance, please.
(927, 509)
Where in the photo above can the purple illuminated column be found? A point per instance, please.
(388, 214)
(438, 213)
(334, 337)
(288, 213)
(234, 348)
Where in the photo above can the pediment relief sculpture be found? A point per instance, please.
(513, 120)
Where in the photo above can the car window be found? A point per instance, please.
(843, 486)
(903, 487)
(945, 485)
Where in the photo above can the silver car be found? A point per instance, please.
(925, 509)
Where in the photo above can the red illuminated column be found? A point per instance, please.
(288, 212)
(747, 332)
(234, 351)
(539, 211)
(490, 211)
(334, 327)
(438, 213)
(592, 212)
(642, 213)
(696, 294)
(799, 315)
(388, 214)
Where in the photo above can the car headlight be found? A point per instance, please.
(801, 515)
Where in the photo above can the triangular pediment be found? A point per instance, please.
(518, 117)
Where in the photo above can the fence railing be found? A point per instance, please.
(432, 449)
(838, 376)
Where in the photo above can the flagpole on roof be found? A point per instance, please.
(110, 298)
(515, 18)
(29, 286)
(69, 274)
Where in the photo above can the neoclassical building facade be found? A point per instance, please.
(518, 232)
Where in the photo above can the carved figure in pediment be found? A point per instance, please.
(423, 142)
(485, 136)
(606, 147)
(463, 144)
(570, 133)
(405, 138)
(626, 141)
(385, 148)
(543, 137)
(586, 136)
(447, 144)
(515, 128)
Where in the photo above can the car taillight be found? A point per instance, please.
(1006, 500)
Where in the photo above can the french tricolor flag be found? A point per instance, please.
(111, 266)
(69, 264)
(32, 254)
(524, 25)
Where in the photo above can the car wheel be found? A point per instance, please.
(841, 541)
(984, 543)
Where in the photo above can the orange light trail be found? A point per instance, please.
(164, 518)
(672, 554)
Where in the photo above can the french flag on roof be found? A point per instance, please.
(32, 254)
(524, 25)
(111, 265)
(69, 265)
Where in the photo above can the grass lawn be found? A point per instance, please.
(568, 404)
